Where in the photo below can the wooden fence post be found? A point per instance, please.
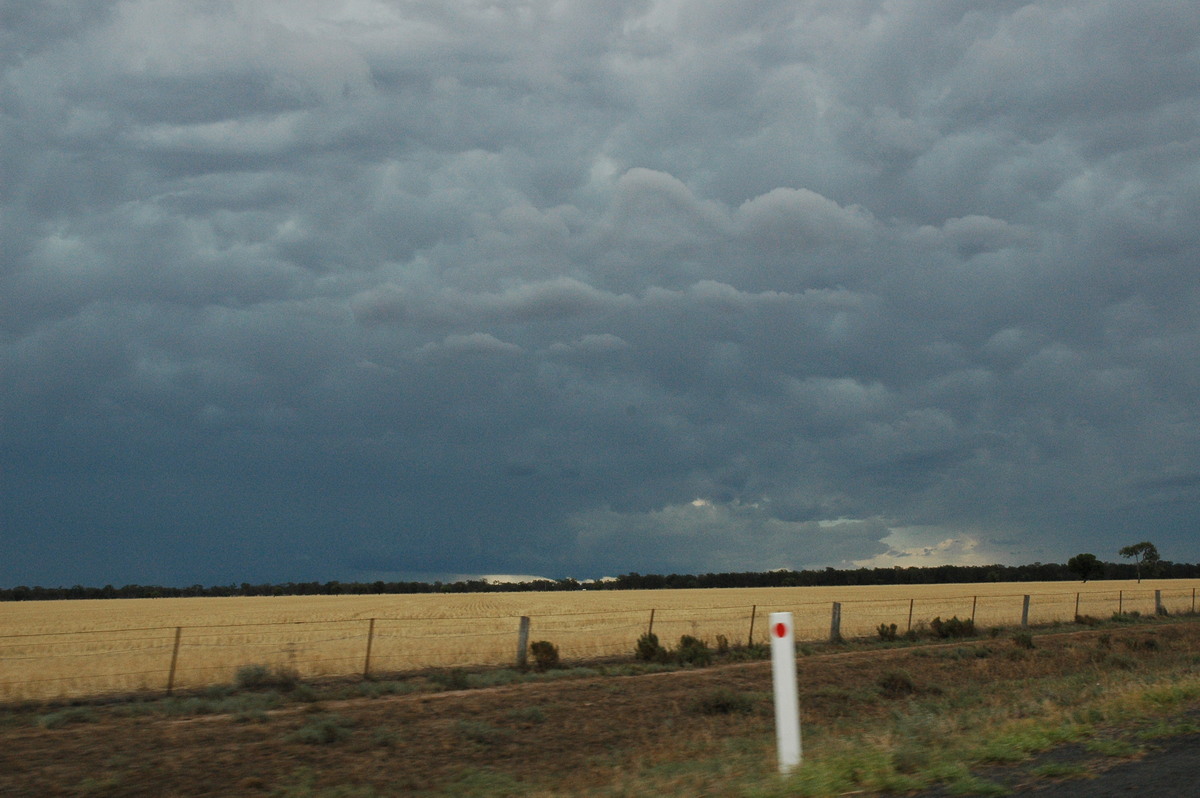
(1120, 602)
(1076, 606)
(974, 601)
(174, 660)
(523, 643)
(910, 610)
(1159, 609)
(754, 611)
(1193, 601)
(650, 631)
(1025, 613)
(370, 641)
(835, 623)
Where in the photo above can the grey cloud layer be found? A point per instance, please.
(334, 290)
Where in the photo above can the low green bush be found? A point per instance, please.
(896, 684)
(953, 627)
(451, 679)
(322, 730)
(887, 632)
(648, 649)
(693, 651)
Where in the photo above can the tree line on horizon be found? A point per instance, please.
(826, 577)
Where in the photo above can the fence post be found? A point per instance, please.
(1120, 602)
(910, 609)
(1159, 609)
(835, 623)
(370, 641)
(650, 631)
(754, 611)
(1193, 601)
(1025, 613)
(974, 601)
(174, 660)
(1076, 606)
(523, 643)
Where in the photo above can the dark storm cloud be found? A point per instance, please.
(318, 291)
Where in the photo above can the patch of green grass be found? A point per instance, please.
(486, 783)
(482, 732)
(494, 678)
(322, 730)
(1113, 746)
(1020, 743)
(103, 785)
(303, 784)
(723, 701)
(1062, 770)
(532, 714)
(66, 717)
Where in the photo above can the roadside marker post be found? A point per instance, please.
(787, 699)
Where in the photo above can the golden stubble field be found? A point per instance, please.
(59, 649)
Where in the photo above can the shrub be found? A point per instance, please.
(693, 651)
(953, 627)
(1023, 640)
(1144, 644)
(722, 644)
(649, 650)
(257, 677)
(452, 679)
(1087, 620)
(545, 654)
(887, 632)
(896, 684)
(322, 730)
(250, 677)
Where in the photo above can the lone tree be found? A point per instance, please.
(1084, 565)
(1143, 553)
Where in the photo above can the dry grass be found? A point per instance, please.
(72, 648)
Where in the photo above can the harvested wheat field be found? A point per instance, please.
(57, 649)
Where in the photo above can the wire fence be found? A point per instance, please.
(66, 664)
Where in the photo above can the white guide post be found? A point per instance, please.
(787, 700)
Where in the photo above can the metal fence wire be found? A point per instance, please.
(47, 665)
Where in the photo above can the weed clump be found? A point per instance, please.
(258, 677)
(953, 627)
(452, 679)
(1144, 645)
(1023, 640)
(693, 651)
(481, 732)
(887, 632)
(723, 701)
(650, 650)
(322, 730)
(545, 654)
(896, 684)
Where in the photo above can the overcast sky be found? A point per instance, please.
(369, 290)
